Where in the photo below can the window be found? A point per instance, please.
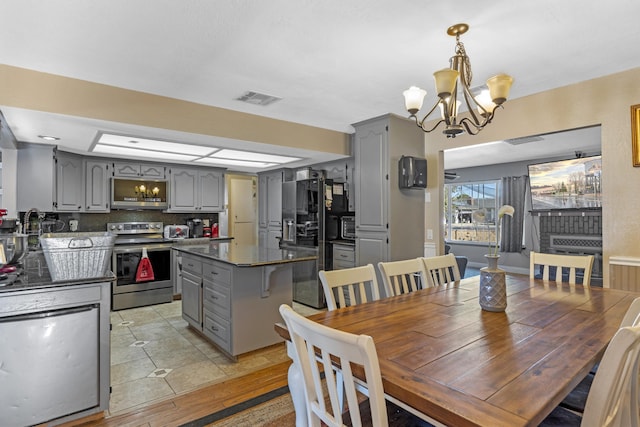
(470, 211)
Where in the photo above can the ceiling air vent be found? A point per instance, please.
(523, 140)
(256, 98)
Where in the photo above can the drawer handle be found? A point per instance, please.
(344, 256)
(214, 297)
(215, 273)
(214, 329)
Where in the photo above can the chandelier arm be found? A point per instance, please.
(421, 125)
(473, 129)
(424, 118)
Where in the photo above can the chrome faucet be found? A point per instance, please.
(25, 223)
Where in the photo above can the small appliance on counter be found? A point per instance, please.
(176, 231)
(348, 227)
(196, 227)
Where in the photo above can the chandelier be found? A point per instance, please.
(455, 82)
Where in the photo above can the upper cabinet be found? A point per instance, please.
(57, 181)
(138, 170)
(97, 179)
(196, 190)
(69, 183)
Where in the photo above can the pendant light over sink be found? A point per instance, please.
(453, 84)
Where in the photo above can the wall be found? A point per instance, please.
(605, 101)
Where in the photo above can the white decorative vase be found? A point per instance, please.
(493, 286)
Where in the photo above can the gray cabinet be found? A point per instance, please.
(97, 179)
(69, 183)
(270, 207)
(343, 256)
(217, 304)
(196, 190)
(192, 291)
(234, 307)
(389, 220)
(138, 170)
(49, 180)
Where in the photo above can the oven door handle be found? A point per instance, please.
(138, 248)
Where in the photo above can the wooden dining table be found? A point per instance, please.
(448, 360)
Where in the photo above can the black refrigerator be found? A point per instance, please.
(306, 205)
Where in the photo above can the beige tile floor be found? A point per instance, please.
(155, 355)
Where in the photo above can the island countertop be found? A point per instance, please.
(248, 255)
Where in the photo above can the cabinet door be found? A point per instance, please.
(97, 186)
(126, 169)
(371, 248)
(274, 202)
(371, 176)
(192, 300)
(183, 190)
(152, 171)
(263, 201)
(211, 192)
(69, 183)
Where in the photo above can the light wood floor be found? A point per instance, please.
(188, 407)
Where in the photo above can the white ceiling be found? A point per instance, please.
(333, 62)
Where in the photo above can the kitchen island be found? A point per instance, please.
(54, 346)
(231, 293)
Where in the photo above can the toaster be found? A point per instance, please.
(176, 232)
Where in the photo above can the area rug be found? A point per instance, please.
(274, 408)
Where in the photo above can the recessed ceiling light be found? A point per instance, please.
(48, 137)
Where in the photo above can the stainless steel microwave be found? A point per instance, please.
(348, 227)
(127, 193)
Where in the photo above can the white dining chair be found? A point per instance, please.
(576, 400)
(613, 398)
(548, 262)
(441, 270)
(349, 286)
(317, 345)
(401, 277)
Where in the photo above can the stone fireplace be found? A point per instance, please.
(574, 232)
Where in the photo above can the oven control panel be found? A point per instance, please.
(135, 227)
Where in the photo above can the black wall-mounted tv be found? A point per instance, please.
(566, 184)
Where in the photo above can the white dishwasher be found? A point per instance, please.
(49, 364)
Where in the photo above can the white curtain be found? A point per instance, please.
(513, 193)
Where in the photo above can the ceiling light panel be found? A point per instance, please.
(251, 156)
(232, 162)
(124, 151)
(155, 145)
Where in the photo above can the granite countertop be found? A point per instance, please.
(199, 240)
(248, 255)
(35, 275)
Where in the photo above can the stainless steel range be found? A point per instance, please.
(132, 289)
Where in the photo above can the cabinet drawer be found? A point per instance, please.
(343, 253)
(192, 265)
(218, 330)
(217, 299)
(339, 265)
(216, 272)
